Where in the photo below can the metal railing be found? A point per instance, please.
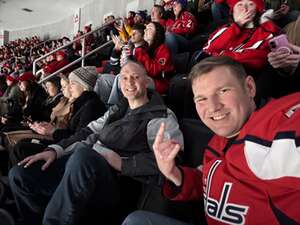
(38, 45)
(75, 61)
(83, 54)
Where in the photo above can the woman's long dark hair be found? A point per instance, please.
(159, 38)
(30, 87)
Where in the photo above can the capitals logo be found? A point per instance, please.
(221, 209)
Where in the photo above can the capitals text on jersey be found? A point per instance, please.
(221, 209)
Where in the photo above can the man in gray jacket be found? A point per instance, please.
(62, 185)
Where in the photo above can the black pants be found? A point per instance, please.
(24, 148)
(67, 190)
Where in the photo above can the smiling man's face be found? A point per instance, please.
(133, 82)
(223, 102)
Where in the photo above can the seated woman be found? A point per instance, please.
(32, 109)
(60, 113)
(246, 38)
(11, 98)
(156, 58)
(52, 87)
(86, 107)
(184, 27)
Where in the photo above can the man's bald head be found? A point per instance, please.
(134, 66)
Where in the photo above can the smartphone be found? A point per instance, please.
(280, 43)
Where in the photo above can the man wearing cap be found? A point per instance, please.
(119, 143)
(184, 27)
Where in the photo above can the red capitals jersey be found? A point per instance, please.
(247, 46)
(255, 179)
(185, 24)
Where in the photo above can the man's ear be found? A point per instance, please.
(250, 86)
(148, 81)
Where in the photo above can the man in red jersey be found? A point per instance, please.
(250, 171)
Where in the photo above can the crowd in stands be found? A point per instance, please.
(103, 140)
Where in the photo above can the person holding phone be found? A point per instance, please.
(282, 75)
(284, 55)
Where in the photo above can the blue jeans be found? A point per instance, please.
(64, 192)
(176, 43)
(149, 218)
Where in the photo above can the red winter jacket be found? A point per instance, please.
(256, 180)
(158, 66)
(247, 46)
(185, 24)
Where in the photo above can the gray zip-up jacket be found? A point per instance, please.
(137, 165)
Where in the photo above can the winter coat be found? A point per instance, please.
(138, 161)
(10, 101)
(247, 46)
(84, 109)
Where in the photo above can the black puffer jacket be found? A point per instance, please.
(86, 108)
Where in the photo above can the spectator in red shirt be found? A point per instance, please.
(61, 61)
(157, 58)
(157, 15)
(184, 27)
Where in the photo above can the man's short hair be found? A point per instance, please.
(139, 27)
(138, 64)
(211, 63)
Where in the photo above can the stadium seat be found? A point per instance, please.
(180, 62)
(6, 218)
